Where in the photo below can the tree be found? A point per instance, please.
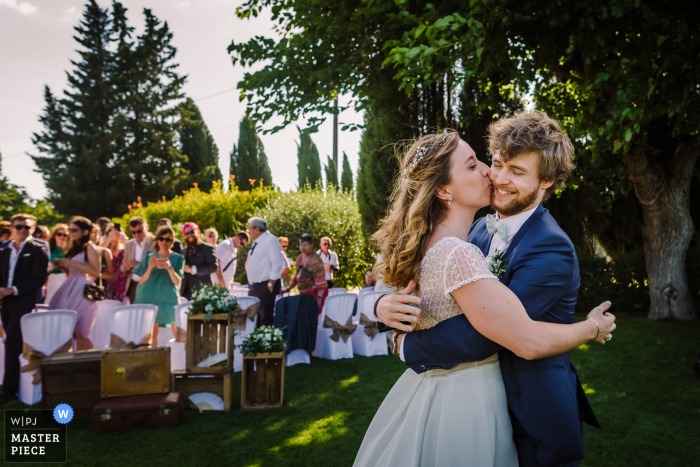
(624, 72)
(331, 173)
(110, 138)
(309, 164)
(248, 159)
(199, 147)
(346, 180)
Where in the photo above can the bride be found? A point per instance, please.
(457, 416)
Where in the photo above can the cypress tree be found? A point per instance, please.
(346, 180)
(331, 173)
(248, 158)
(199, 147)
(309, 165)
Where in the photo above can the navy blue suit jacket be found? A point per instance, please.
(544, 395)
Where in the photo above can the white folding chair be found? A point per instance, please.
(238, 292)
(336, 291)
(99, 334)
(39, 307)
(183, 300)
(339, 309)
(133, 322)
(362, 344)
(46, 332)
(236, 284)
(243, 302)
(178, 357)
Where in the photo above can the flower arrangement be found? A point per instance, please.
(265, 339)
(211, 299)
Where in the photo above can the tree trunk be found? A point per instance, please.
(664, 192)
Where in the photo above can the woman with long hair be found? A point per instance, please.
(57, 241)
(105, 253)
(82, 260)
(456, 416)
(115, 289)
(161, 273)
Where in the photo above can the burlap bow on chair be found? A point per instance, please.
(35, 358)
(251, 312)
(116, 342)
(371, 327)
(338, 330)
(180, 334)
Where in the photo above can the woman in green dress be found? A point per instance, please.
(161, 273)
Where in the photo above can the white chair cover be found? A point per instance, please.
(236, 284)
(361, 343)
(238, 292)
(183, 300)
(338, 308)
(133, 322)
(243, 302)
(39, 307)
(99, 334)
(45, 332)
(178, 356)
(298, 356)
(336, 291)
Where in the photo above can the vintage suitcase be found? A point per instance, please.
(73, 379)
(136, 371)
(133, 412)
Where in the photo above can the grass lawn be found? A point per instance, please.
(641, 385)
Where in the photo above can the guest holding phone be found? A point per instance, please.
(57, 242)
(161, 273)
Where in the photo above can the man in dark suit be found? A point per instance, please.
(532, 157)
(23, 270)
(200, 261)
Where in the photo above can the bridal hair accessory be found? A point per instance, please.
(420, 154)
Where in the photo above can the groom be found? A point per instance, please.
(532, 157)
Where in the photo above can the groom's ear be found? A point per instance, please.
(546, 184)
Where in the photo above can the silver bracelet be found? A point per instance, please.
(596, 324)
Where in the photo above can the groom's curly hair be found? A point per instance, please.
(404, 234)
(535, 132)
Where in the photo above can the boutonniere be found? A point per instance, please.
(498, 264)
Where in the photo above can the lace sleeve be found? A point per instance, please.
(463, 265)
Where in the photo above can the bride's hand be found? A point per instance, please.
(605, 321)
(394, 308)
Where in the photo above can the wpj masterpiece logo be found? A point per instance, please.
(37, 435)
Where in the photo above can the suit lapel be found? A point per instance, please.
(481, 237)
(523, 231)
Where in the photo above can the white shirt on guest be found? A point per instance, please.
(264, 259)
(330, 258)
(138, 256)
(513, 225)
(225, 251)
(14, 257)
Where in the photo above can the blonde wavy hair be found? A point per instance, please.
(416, 210)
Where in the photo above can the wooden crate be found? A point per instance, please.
(205, 339)
(263, 381)
(73, 379)
(130, 372)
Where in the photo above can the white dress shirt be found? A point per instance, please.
(14, 257)
(225, 251)
(513, 224)
(330, 258)
(264, 259)
(138, 256)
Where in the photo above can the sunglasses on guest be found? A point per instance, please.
(21, 227)
(284, 247)
(135, 232)
(165, 239)
(73, 229)
(325, 244)
(188, 233)
(61, 234)
(211, 236)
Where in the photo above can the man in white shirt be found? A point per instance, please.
(330, 260)
(227, 251)
(264, 268)
(135, 250)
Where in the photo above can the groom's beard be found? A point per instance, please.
(518, 205)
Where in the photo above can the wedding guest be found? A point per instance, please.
(136, 249)
(57, 242)
(330, 260)
(211, 236)
(23, 269)
(105, 254)
(41, 232)
(177, 244)
(227, 252)
(286, 261)
(264, 268)
(200, 261)
(115, 289)
(82, 260)
(369, 282)
(102, 223)
(310, 276)
(5, 232)
(161, 274)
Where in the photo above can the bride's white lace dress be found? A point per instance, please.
(444, 418)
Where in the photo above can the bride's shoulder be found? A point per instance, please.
(450, 245)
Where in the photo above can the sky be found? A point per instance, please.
(36, 46)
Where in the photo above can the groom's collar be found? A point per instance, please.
(515, 222)
(534, 215)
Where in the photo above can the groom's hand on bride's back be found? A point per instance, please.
(604, 320)
(394, 308)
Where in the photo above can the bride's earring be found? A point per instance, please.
(449, 202)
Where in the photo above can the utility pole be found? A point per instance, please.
(335, 134)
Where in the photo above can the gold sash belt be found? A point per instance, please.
(462, 366)
(180, 334)
(251, 312)
(339, 330)
(35, 358)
